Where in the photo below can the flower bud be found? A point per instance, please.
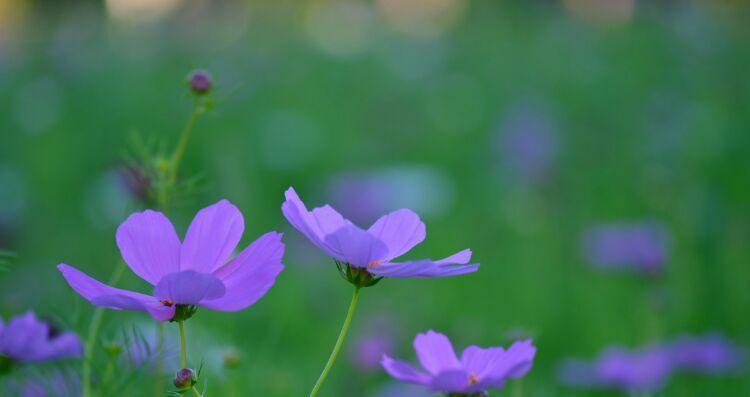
(200, 82)
(185, 379)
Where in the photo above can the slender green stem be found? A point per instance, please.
(159, 365)
(339, 343)
(184, 138)
(197, 393)
(94, 325)
(183, 345)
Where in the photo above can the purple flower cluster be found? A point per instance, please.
(649, 369)
(642, 247)
(26, 339)
(198, 271)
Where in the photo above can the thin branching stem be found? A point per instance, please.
(183, 345)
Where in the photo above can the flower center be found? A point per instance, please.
(374, 263)
(473, 379)
(167, 302)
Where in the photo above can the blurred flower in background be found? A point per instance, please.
(526, 144)
(378, 338)
(642, 247)
(27, 339)
(643, 371)
(707, 354)
(648, 369)
(363, 196)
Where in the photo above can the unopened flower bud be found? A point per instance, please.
(185, 379)
(200, 82)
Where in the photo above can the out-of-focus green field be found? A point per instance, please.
(651, 120)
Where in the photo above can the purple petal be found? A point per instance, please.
(404, 371)
(356, 246)
(114, 298)
(480, 362)
(453, 265)
(450, 381)
(250, 274)
(459, 258)
(212, 237)
(435, 352)
(400, 231)
(314, 225)
(189, 288)
(149, 245)
(516, 362)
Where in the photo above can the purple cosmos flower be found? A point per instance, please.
(478, 369)
(375, 248)
(708, 354)
(641, 246)
(644, 370)
(188, 274)
(25, 338)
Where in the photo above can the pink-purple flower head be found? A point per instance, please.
(476, 371)
(373, 249)
(25, 338)
(196, 272)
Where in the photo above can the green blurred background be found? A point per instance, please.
(644, 109)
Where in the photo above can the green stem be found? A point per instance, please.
(197, 393)
(159, 365)
(94, 325)
(183, 345)
(184, 138)
(339, 343)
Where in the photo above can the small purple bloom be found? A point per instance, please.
(373, 249)
(644, 370)
(640, 246)
(192, 273)
(478, 369)
(369, 349)
(27, 339)
(528, 144)
(200, 81)
(708, 354)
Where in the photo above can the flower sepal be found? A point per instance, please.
(183, 312)
(357, 276)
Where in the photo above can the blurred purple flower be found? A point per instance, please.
(378, 340)
(58, 383)
(644, 370)
(395, 389)
(477, 370)
(25, 338)
(373, 249)
(200, 81)
(192, 273)
(639, 246)
(707, 354)
(528, 144)
(365, 195)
